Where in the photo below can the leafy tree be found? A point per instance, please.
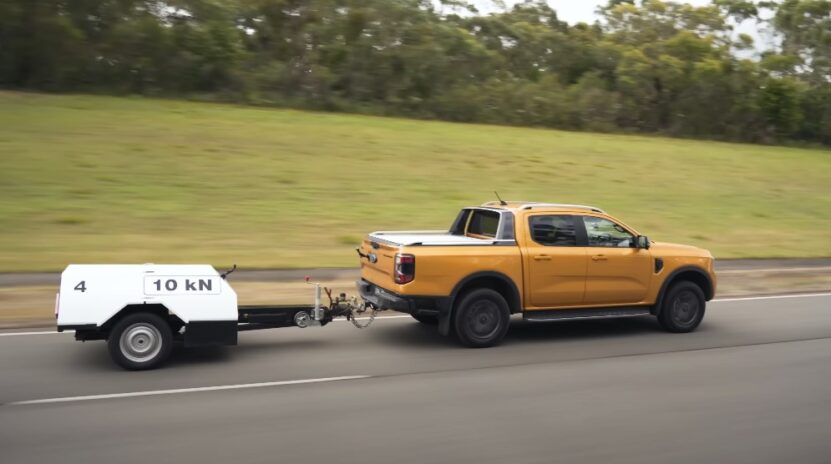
(779, 101)
(805, 26)
(649, 66)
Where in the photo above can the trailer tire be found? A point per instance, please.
(140, 341)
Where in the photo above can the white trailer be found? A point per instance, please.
(142, 309)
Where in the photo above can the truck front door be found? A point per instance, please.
(617, 272)
(555, 265)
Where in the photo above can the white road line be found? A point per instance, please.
(55, 332)
(717, 300)
(377, 318)
(772, 297)
(49, 332)
(775, 269)
(69, 399)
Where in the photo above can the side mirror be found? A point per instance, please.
(642, 242)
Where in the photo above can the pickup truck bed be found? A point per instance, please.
(426, 238)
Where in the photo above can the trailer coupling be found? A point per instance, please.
(351, 308)
(360, 313)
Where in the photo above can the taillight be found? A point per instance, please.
(404, 268)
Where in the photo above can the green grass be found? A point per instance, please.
(98, 179)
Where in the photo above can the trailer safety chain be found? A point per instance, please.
(351, 309)
(354, 320)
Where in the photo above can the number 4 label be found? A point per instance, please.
(82, 286)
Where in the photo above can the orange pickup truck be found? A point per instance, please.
(544, 261)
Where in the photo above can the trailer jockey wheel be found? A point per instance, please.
(140, 341)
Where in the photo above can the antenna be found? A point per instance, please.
(501, 201)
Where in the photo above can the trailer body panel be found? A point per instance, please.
(91, 294)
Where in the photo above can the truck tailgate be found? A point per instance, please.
(378, 262)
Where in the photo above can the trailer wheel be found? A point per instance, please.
(140, 341)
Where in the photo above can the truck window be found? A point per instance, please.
(484, 223)
(556, 230)
(605, 233)
(459, 224)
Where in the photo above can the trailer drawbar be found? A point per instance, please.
(142, 309)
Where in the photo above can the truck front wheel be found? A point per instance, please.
(683, 308)
(482, 318)
(140, 341)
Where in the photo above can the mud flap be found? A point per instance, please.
(445, 315)
(210, 333)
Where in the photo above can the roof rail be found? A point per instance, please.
(532, 205)
(561, 205)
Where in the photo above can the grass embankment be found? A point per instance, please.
(98, 179)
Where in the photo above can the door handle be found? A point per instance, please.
(542, 258)
(599, 258)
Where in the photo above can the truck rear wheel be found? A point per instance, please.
(683, 308)
(140, 341)
(482, 318)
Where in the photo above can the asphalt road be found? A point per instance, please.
(753, 385)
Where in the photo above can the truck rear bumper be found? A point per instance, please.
(385, 299)
(416, 305)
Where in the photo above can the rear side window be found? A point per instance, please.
(555, 230)
(485, 223)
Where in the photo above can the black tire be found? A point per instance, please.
(140, 341)
(426, 319)
(683, 308)
(481, 318)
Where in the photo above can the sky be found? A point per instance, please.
(573, 11)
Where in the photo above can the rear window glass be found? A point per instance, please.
(555, 230)
(484, 223)
(458, 227)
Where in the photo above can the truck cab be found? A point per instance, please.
(544, 261)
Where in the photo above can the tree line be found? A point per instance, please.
(650, 66)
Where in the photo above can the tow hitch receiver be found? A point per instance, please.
(341, 306)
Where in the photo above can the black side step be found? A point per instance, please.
(589, 313)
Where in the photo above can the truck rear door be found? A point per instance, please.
(555, 266)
